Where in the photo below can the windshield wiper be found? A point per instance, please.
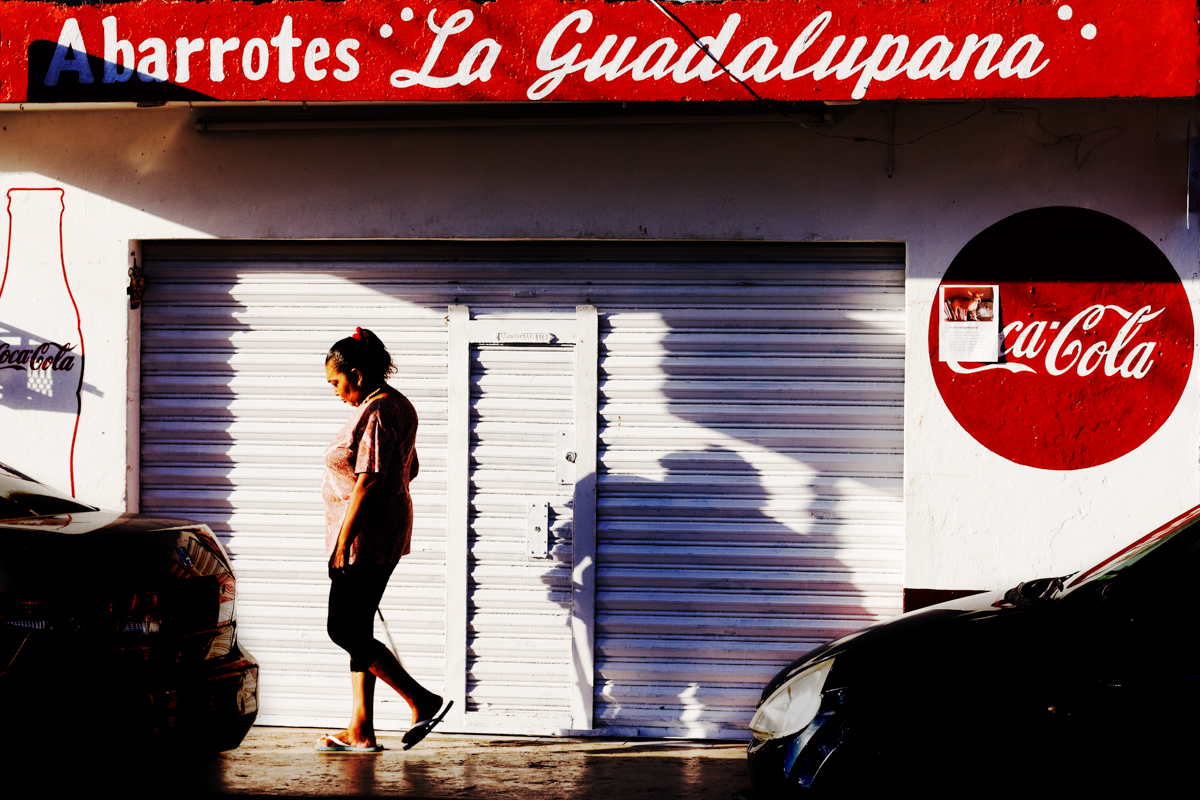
(1031, 592)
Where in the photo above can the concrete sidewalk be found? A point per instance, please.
(282, 761)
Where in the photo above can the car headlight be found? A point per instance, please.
(793, 705)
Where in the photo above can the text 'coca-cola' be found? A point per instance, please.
(46, 356)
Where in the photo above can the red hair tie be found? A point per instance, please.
(358, 333)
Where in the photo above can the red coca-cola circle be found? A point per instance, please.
(1097, 346)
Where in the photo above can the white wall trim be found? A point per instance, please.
(583, 568)
(457, 508)
(133, 397)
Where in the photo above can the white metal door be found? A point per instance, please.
(523, 401)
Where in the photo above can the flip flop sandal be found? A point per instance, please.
(336, 745)
(423, 727)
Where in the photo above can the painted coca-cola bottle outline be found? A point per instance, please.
(41, 341)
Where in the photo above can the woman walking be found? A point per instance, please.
(368, 527)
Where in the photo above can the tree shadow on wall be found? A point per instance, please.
(696, 542)
(803, 404)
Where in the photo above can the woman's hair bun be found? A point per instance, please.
(364, 352)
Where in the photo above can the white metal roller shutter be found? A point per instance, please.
(236, 415)
(750, 465)
(750, 496)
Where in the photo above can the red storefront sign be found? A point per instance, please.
(521, 50)
(1096, 339)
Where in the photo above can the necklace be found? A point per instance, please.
(373, 394)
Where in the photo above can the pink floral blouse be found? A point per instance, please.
(377, 438)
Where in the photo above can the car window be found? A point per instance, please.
(1135, 552)
(22, 497)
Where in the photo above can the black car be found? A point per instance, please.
(1084, 683)
(117, 626)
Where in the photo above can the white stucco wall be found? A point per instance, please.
(973, 519)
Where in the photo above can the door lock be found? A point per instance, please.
(564, 459)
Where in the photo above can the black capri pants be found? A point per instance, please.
(354, 594)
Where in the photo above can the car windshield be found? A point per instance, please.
(1130, 555)
(22, 497)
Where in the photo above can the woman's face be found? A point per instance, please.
(348, 388)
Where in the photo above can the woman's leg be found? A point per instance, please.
(353, 596)
(361, 730)
(424, 702)
(362, 714)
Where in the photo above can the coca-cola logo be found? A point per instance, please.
(45, 356)
(1096, 340)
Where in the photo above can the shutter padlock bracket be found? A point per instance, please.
(537, 530)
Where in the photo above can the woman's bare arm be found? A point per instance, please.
(341, 551)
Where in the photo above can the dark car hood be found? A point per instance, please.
(106, 522)
(897, 642)
(102, 548)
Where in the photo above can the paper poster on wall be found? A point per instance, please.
(970, 323)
